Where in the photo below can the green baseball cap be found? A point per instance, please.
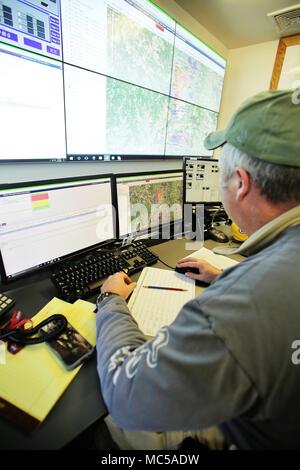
(266, 126)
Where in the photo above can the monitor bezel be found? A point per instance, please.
(7, 279)
(86, 158)
(194, 203)
(149, 231)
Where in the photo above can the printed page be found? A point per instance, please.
(154, 308)
(220, 261)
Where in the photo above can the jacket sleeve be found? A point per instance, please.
(184, 379)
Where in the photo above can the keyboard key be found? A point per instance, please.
(5, 303)
(82, 277)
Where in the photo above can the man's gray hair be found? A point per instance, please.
(278, 183)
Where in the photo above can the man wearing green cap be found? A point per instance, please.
(223, 372)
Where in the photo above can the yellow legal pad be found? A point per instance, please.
(33, 380)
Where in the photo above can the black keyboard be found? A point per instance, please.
(82, 276)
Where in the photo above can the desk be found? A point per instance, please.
(81, 404)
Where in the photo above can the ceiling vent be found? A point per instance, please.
(287, 20)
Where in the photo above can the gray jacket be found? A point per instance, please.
(226, 360)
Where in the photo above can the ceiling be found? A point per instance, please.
(237, 23)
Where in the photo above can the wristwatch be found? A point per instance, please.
(101, 297)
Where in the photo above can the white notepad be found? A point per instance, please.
(154, 308)
(219, 261)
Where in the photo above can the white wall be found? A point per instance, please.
(249, 71)
(11, 173)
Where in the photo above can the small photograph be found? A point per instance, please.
(70, 345)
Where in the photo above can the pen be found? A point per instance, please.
(166, 288)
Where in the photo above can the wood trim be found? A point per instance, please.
(292, 40)
(280, 56)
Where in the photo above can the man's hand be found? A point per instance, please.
(207, 272)
(120, 284)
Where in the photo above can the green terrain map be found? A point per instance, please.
(153, 196)
(144, 122)
(136, 119)
(188, 126)
(136, 54)
(195, 82)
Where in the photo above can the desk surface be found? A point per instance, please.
(81, 404)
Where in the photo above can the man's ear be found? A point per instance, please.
(243, 181)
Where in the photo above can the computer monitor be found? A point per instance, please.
(45, 222)
(86, 71)
(147, 201)
(201, 181)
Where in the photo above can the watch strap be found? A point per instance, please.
(102, 296)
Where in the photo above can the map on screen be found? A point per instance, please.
(188, 126)
(149, 200)
(136, 119)
(130, 42)
(112, 79)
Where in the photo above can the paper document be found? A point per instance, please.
(32, 381)
(219, 261)
(154, 308)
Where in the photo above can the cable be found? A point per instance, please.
(217, 212)
(18, 335)
(168, 266)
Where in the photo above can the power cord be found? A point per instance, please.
(17, 334)
(216, 213)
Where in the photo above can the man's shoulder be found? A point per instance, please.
(281, 255)
(267, 275)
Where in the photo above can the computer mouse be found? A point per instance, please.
(186, 270)
(218, 235)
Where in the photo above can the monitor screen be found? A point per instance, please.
(201, 180)
(31, 106)
(147, 201)
(188, 125)
(32, 25)
(103, 80)
(198, 72)
(42, 223)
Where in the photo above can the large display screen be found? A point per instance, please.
(44, 223)
(103, 80)
(147, 201)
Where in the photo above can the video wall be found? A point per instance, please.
(105, 80)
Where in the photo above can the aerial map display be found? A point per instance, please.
(196, 83)
(136, 54)
(136, 119)
(188, 126)
(158, 198)
(116, 79)
(198, 73)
